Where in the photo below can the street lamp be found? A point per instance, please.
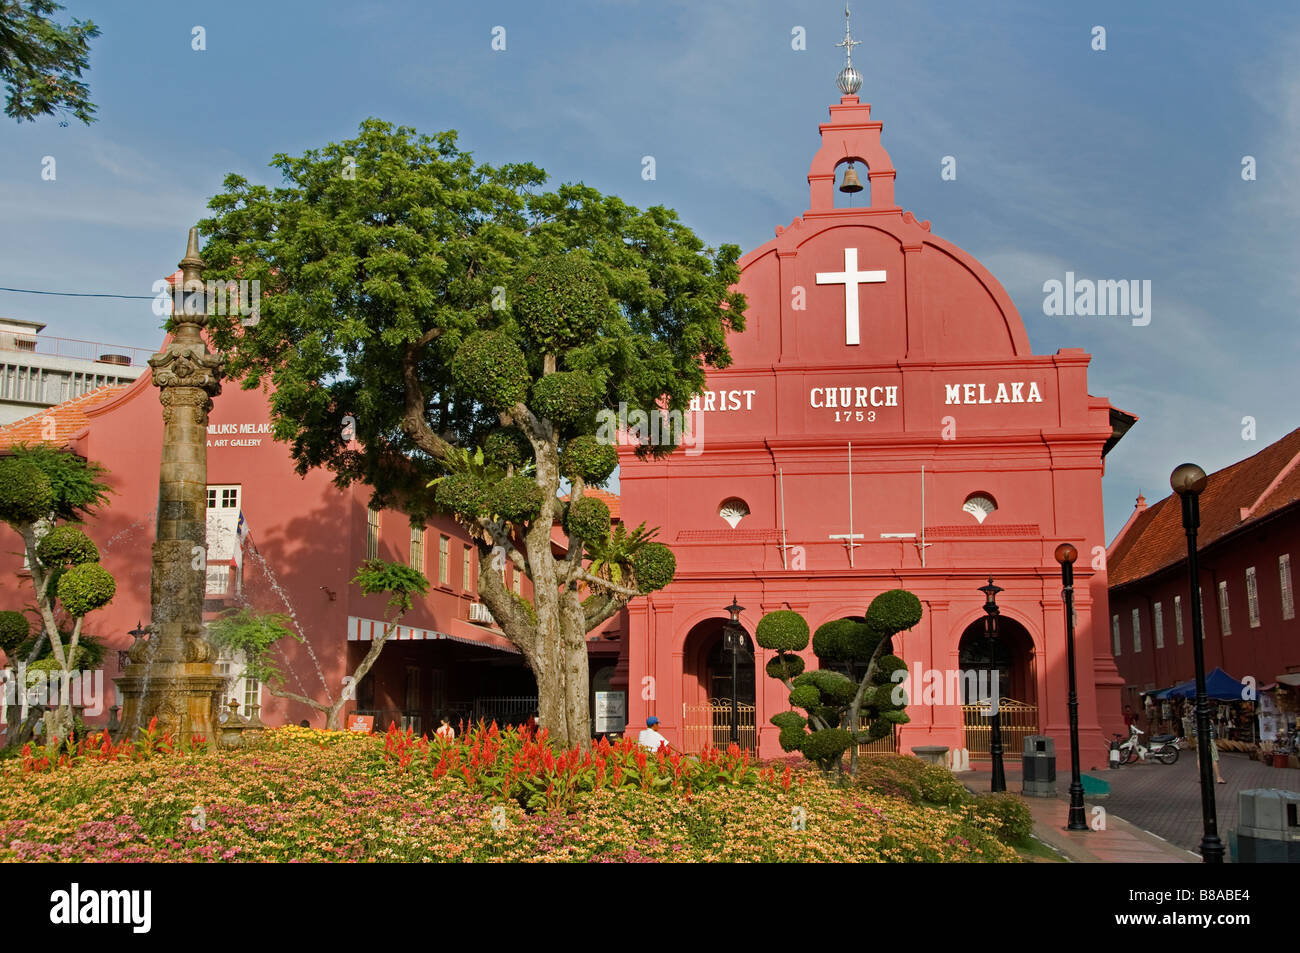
(999, 780)
(1188, 481)
(1066, 555)
(732, 634)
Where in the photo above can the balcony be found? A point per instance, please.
(75, 349)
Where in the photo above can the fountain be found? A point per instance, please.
(171, 675)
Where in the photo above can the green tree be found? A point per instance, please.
(256, 634)
(469, 329)
(39, 487)
(41, 61)
(854, 683)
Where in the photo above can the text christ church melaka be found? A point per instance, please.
(884, 425)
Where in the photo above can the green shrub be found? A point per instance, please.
(791, 720)
(806, 697)
(826, 745)
(25, 492)
(785, 666)
(843, 640)
(462, 494)
(587, 458)
(908, 777)
(492, 368)
(587, 518)
(560, 301)
(66, 546)
(782, 630)
(14, 630)
(516, 499)
(85, 588)
(653, 566)
(567, 399)
(886, 666)
(893, 611)
(838, 689)
(1007, 815)
(507, 448)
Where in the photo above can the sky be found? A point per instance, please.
(1122, 163)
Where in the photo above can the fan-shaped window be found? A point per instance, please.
(979, 505)
(733, 510)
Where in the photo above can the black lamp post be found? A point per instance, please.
(1066, 555)
(999, 780)
(732, 634)
(1188, 481)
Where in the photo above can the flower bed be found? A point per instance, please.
(306, 795)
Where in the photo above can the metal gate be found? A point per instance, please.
(1019, 720)
(710, 726)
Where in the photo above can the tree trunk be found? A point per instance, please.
(573, 626)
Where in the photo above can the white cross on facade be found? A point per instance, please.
(850, 278)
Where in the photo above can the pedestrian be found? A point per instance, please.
(1214, 748)
(650, 737)
(445, 731)
(1130, 717)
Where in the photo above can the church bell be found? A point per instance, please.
(851, 183)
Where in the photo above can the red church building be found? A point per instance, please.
(884, 425)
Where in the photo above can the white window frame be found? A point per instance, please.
(1225, 616)
(1178, 619)
(417, 548)
(1158, 624)
(1252, 597)
(1137, 631)
(372, 533)
(444, 559)
(467, 569)
(1288, 594)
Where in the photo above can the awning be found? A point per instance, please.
(1291, 678)
(368, 630)
(1219, 685)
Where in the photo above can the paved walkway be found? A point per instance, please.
(1153, 811)
(1118, 842)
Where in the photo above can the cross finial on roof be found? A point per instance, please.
(848, 42)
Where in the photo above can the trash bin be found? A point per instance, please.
(1269, 829)
(1038, 767)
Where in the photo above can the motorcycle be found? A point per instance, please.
(1164, 748)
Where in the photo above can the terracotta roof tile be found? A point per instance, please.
(610, 499)
(69, 418)
(1239, 494)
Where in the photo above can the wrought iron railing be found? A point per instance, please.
(710, 725)
(1018, 720)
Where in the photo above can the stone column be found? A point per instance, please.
(171, 675)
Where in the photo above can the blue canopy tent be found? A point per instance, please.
(1219, 685)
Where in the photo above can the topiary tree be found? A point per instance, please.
(473, 328)
(39, 486)
(256, 634)
(855, 685)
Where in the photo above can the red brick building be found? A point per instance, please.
(1248, 540)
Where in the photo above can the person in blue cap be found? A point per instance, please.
(650, 737)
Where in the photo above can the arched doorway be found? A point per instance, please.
(709, 689)
(1006, 669)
